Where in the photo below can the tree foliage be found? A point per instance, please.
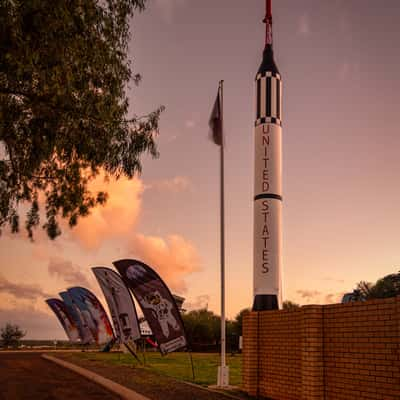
(238, 322)
(290, 305)
(388, 286)
(11, 335)
(202, 326)
(64, 72)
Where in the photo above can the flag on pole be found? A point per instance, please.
(215, 122)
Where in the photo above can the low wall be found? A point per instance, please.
(333, 352)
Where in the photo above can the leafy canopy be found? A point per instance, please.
(11, 335)
(388, 286)
(383, 288)
(64, 72)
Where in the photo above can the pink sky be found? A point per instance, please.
(339, 61)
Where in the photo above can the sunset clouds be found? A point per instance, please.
(306, 296)
(66, 271)
(117, 218)
(175, 184)
(20, 291)
(173, 257)
(110, 232)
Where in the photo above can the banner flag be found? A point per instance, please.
(120, 303)
(83, 328)
(156, 301)
(66, 320)
(94, 314)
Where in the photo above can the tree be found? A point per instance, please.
(64, 72)
(290, 305)
(388, 286)
(203, 329)
(238, 322)
(11, 335)
(202, 326)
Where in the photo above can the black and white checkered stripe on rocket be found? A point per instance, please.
(268, 98)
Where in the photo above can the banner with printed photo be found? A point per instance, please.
(120, 303)
(66, 320)
(93, 313)
(83, 328)
(156, 301)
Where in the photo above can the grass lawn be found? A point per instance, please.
(176, 365)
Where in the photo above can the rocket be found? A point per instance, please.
(268, 179)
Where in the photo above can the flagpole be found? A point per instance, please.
(224, 374)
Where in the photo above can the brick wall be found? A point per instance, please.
(332, 352)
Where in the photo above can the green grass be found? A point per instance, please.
(176, 365)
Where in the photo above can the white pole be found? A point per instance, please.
(223, 372)
(223, 333)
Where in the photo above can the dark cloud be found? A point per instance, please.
(37, 324)
(68, 272)
(22, 290)
(319, 297)
(309, 294)
(333, 298)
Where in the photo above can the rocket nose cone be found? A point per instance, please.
(268, 62)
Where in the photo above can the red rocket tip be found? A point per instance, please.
(268, 21)
(268, 11)
(269, 8)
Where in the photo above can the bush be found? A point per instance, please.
(11, 335)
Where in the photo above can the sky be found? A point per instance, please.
(339, 61)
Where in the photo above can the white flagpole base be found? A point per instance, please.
(223, 377)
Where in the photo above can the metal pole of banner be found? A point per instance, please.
(223, 373)
(144, 350)
(191, 363)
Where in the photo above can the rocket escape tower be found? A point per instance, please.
(268, 63)
(268, 179)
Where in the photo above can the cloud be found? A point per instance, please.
(167, 8)
(117, 218)
(176, 184)
(66, 271)
(37, 324)
(303, 27)
(22, 291)
(318, 297)
(333, 298)
(309, 294)
(333, 279)
(198, 303)
(173, 258)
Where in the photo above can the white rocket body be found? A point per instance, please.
(268, 186)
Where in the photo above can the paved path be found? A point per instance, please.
(25, 376)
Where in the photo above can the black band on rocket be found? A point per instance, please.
(261, 121)
(268, 73)
(268, 196)
(268, 98)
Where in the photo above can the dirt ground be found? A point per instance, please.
(150, 384)
(26, 376)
